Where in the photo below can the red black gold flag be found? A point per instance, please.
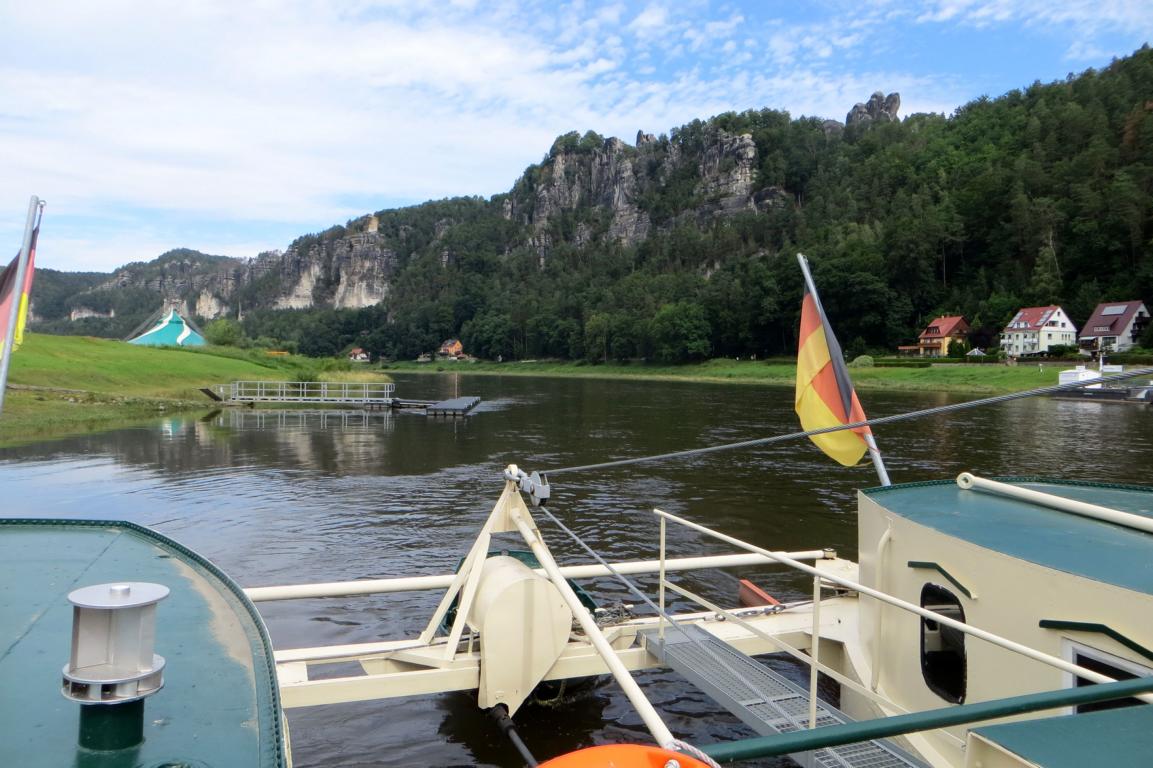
(9, 293)
(825, 396)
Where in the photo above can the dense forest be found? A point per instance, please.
(1042, 195)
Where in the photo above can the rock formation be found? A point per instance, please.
(879, 108)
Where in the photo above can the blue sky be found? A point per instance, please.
(232, 127)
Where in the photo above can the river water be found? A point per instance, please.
(291, 497)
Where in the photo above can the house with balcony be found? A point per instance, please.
(1114, 326)
(1035, 330)
(934, 341)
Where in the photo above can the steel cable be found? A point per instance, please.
(943, 409)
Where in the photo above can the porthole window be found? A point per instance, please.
(943, 648)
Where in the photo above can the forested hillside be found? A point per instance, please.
(683, 246)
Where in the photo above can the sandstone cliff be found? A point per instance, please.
(586, 190)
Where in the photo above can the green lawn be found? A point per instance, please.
(968, 379)
(67, 384)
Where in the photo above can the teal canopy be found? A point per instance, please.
(171, 331)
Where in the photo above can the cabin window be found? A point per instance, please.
(943, 648)
(1107, 664)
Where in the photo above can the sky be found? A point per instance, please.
(232, 127)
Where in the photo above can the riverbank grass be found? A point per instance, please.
(67, 384)
(955, 378)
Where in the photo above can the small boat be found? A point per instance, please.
(1139, 394)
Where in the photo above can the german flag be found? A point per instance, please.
(825, 396)
(10, 293)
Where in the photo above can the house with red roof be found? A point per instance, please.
(934, 341)
(1114, 326)
(1034, 330)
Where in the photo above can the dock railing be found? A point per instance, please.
(813, 659)
(307, 392)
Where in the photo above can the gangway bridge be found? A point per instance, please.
(366, 395)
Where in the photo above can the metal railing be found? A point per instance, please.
(883, 597)
(307, 392)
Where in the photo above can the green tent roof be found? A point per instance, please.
(172, 331)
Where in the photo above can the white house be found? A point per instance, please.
(1114, 326)
(1033, 330)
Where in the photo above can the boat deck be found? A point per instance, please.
(219, 705)
(1104, 552)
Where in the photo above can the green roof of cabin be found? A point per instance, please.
(1118, 738)
(1083, 546)
(219, 704)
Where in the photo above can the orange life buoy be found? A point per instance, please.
(623, 756)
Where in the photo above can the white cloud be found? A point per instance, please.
(306, 111)
(651, 21)
(1087, 16)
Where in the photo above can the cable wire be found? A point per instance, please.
(952, 408)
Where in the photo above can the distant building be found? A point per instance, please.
(934, 341)
(451, 348)
(170, 330)
(358, 355)
(1114, 326)
(1034, 330)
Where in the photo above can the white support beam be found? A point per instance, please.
(419, 583)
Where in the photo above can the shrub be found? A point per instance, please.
(861, 361)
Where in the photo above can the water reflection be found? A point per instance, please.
(292, 496)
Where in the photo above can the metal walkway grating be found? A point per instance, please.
(763, 699)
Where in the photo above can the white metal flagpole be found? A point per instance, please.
(17, 290)
(835, 349)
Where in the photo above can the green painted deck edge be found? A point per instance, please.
(208, 565)
(896, 725)
(1100, 629)
(882, 489)
(937, 567)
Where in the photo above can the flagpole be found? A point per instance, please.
(870, 443)
(17, 290)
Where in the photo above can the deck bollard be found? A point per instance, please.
(112, 667)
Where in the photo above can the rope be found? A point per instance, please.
(688, 749)
(857, 424)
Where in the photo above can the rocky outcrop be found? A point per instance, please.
(727, 168)
(880, 108)
(609, 188)
(348, 272)
(79, 313)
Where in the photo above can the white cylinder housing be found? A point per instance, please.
(524, 624)
(113, 635)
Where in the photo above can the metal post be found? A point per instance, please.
(815, 652)
(661, 581)
(882, 551)
(18, 290)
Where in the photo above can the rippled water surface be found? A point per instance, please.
(290, 497)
